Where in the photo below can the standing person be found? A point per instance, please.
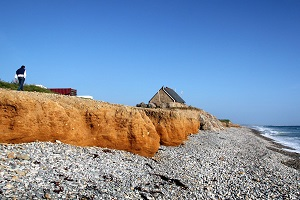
(21, 75)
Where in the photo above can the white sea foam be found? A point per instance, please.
(282, 135)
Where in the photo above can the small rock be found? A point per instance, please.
(47, 196)
(256, 179)
(11, 155)
(9, 186)
(58, 142)
(14, 178)
(21, 156)
(20, 173)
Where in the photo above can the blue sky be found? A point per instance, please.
(236, 59)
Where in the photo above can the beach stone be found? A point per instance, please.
(47, 196)
(11, 155)
(58, 142)
(21, 156)
(20, 172)
(9, 186)
(190, 171)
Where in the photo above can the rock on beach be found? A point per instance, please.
(228, 164)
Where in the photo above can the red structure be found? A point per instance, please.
(64, 91)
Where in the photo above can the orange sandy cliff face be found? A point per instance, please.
(32, 116)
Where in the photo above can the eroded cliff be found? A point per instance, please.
(30, 116)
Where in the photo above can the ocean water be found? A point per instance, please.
(286, 135)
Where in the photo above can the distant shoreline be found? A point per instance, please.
(280, 148)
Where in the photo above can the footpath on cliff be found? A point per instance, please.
(31, 116)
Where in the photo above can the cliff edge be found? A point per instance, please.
(33, 116)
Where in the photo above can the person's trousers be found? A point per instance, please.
(21, 83)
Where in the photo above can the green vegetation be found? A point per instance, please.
(187, 108)
(184, 108)
(225, 121)
(30, 88)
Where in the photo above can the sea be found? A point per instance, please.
(286, 135)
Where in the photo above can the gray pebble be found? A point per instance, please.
(230, 164)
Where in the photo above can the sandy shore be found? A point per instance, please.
(236, 163)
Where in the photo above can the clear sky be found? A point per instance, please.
(236, 59)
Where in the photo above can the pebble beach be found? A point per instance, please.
(234, 163)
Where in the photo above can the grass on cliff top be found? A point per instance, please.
(225, 120)
(187, 108)
(30, 88)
